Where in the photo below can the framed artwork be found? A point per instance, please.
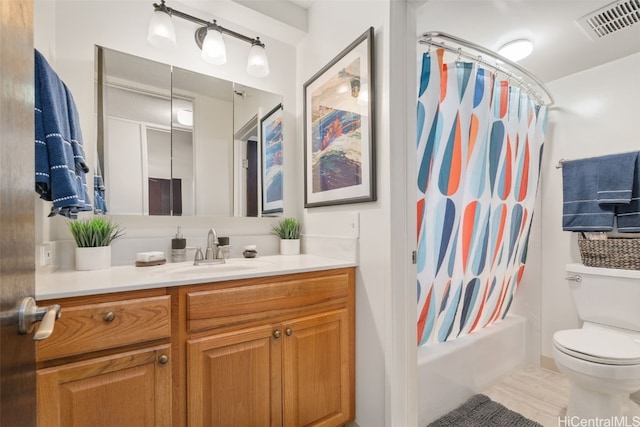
(339, 147)
(271, 150)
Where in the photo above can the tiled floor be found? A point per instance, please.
(538, 394)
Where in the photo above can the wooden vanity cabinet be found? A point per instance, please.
(107, 363)
(276, 351)
(270, 351)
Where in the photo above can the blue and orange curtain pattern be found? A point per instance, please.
(479, 150)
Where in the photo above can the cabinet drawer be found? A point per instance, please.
(102, 326)
(273, 298)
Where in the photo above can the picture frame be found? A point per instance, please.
(271, 161)
(339, 134)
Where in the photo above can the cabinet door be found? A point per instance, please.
(318, 371)
(125, 389)
(234, 379)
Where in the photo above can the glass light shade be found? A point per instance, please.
(516, 50)
(161, 31)
(214, 50)
(185, 117)
(257, 64)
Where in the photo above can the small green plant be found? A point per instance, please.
(93, 232)
(288, 228)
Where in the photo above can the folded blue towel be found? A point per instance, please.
(628, 216)
(580, 208)
(60, 165)
(615, 177)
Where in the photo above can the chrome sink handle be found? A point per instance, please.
(29, 313)
(198, 256)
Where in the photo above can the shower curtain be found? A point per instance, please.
(479, 149)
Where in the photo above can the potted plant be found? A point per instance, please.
(93, 237)
(288, 230)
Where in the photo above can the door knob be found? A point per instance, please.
(276, 334)
(29, 313)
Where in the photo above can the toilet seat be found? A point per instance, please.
(604, 347)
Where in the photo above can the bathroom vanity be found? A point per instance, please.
(175, 346)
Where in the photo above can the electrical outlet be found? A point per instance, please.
(46, 254)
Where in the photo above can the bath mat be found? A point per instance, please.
(481, 411)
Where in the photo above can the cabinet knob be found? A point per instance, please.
(163, 359)
(288, 332)
(109, 317)
(276, 334)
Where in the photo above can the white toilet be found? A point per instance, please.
(602, 359)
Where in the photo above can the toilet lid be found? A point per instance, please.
(599, 346)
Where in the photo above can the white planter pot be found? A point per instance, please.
(289, 246)
(97, 258)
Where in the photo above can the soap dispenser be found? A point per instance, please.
(178, 247)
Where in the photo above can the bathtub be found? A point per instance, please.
(451, 372)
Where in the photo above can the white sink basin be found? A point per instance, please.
(187, 269)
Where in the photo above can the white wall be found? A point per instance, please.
(332, 27)
(596, 113)
(65, 31)
(384, 370)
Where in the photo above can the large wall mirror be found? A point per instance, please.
(175, 142)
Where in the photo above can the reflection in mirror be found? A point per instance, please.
(251, 106)
(136, 132)
(208, 155)
(175, 142)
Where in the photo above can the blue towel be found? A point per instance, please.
(615, 177)
(60, 165)
(99, 202)
(580, 208)
(628, 216)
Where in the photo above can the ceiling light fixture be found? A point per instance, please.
(516, 50)
(185, 117)
(208, 38)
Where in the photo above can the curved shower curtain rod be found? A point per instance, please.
(428, 39)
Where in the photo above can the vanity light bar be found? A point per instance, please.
(258, 64)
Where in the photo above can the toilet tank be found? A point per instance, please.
(606, 296)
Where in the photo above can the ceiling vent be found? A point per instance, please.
(611, 18)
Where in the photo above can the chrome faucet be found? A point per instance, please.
(212, 245)
(211, 255)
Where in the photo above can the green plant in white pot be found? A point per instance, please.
(288, 230)
(93, 237)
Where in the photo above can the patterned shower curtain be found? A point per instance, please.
(479, 150)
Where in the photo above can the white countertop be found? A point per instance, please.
(63, 284)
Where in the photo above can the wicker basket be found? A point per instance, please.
(610, 253)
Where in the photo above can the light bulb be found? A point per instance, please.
(516, 50)
(214, 50)
(257, 64)
(161, 31)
